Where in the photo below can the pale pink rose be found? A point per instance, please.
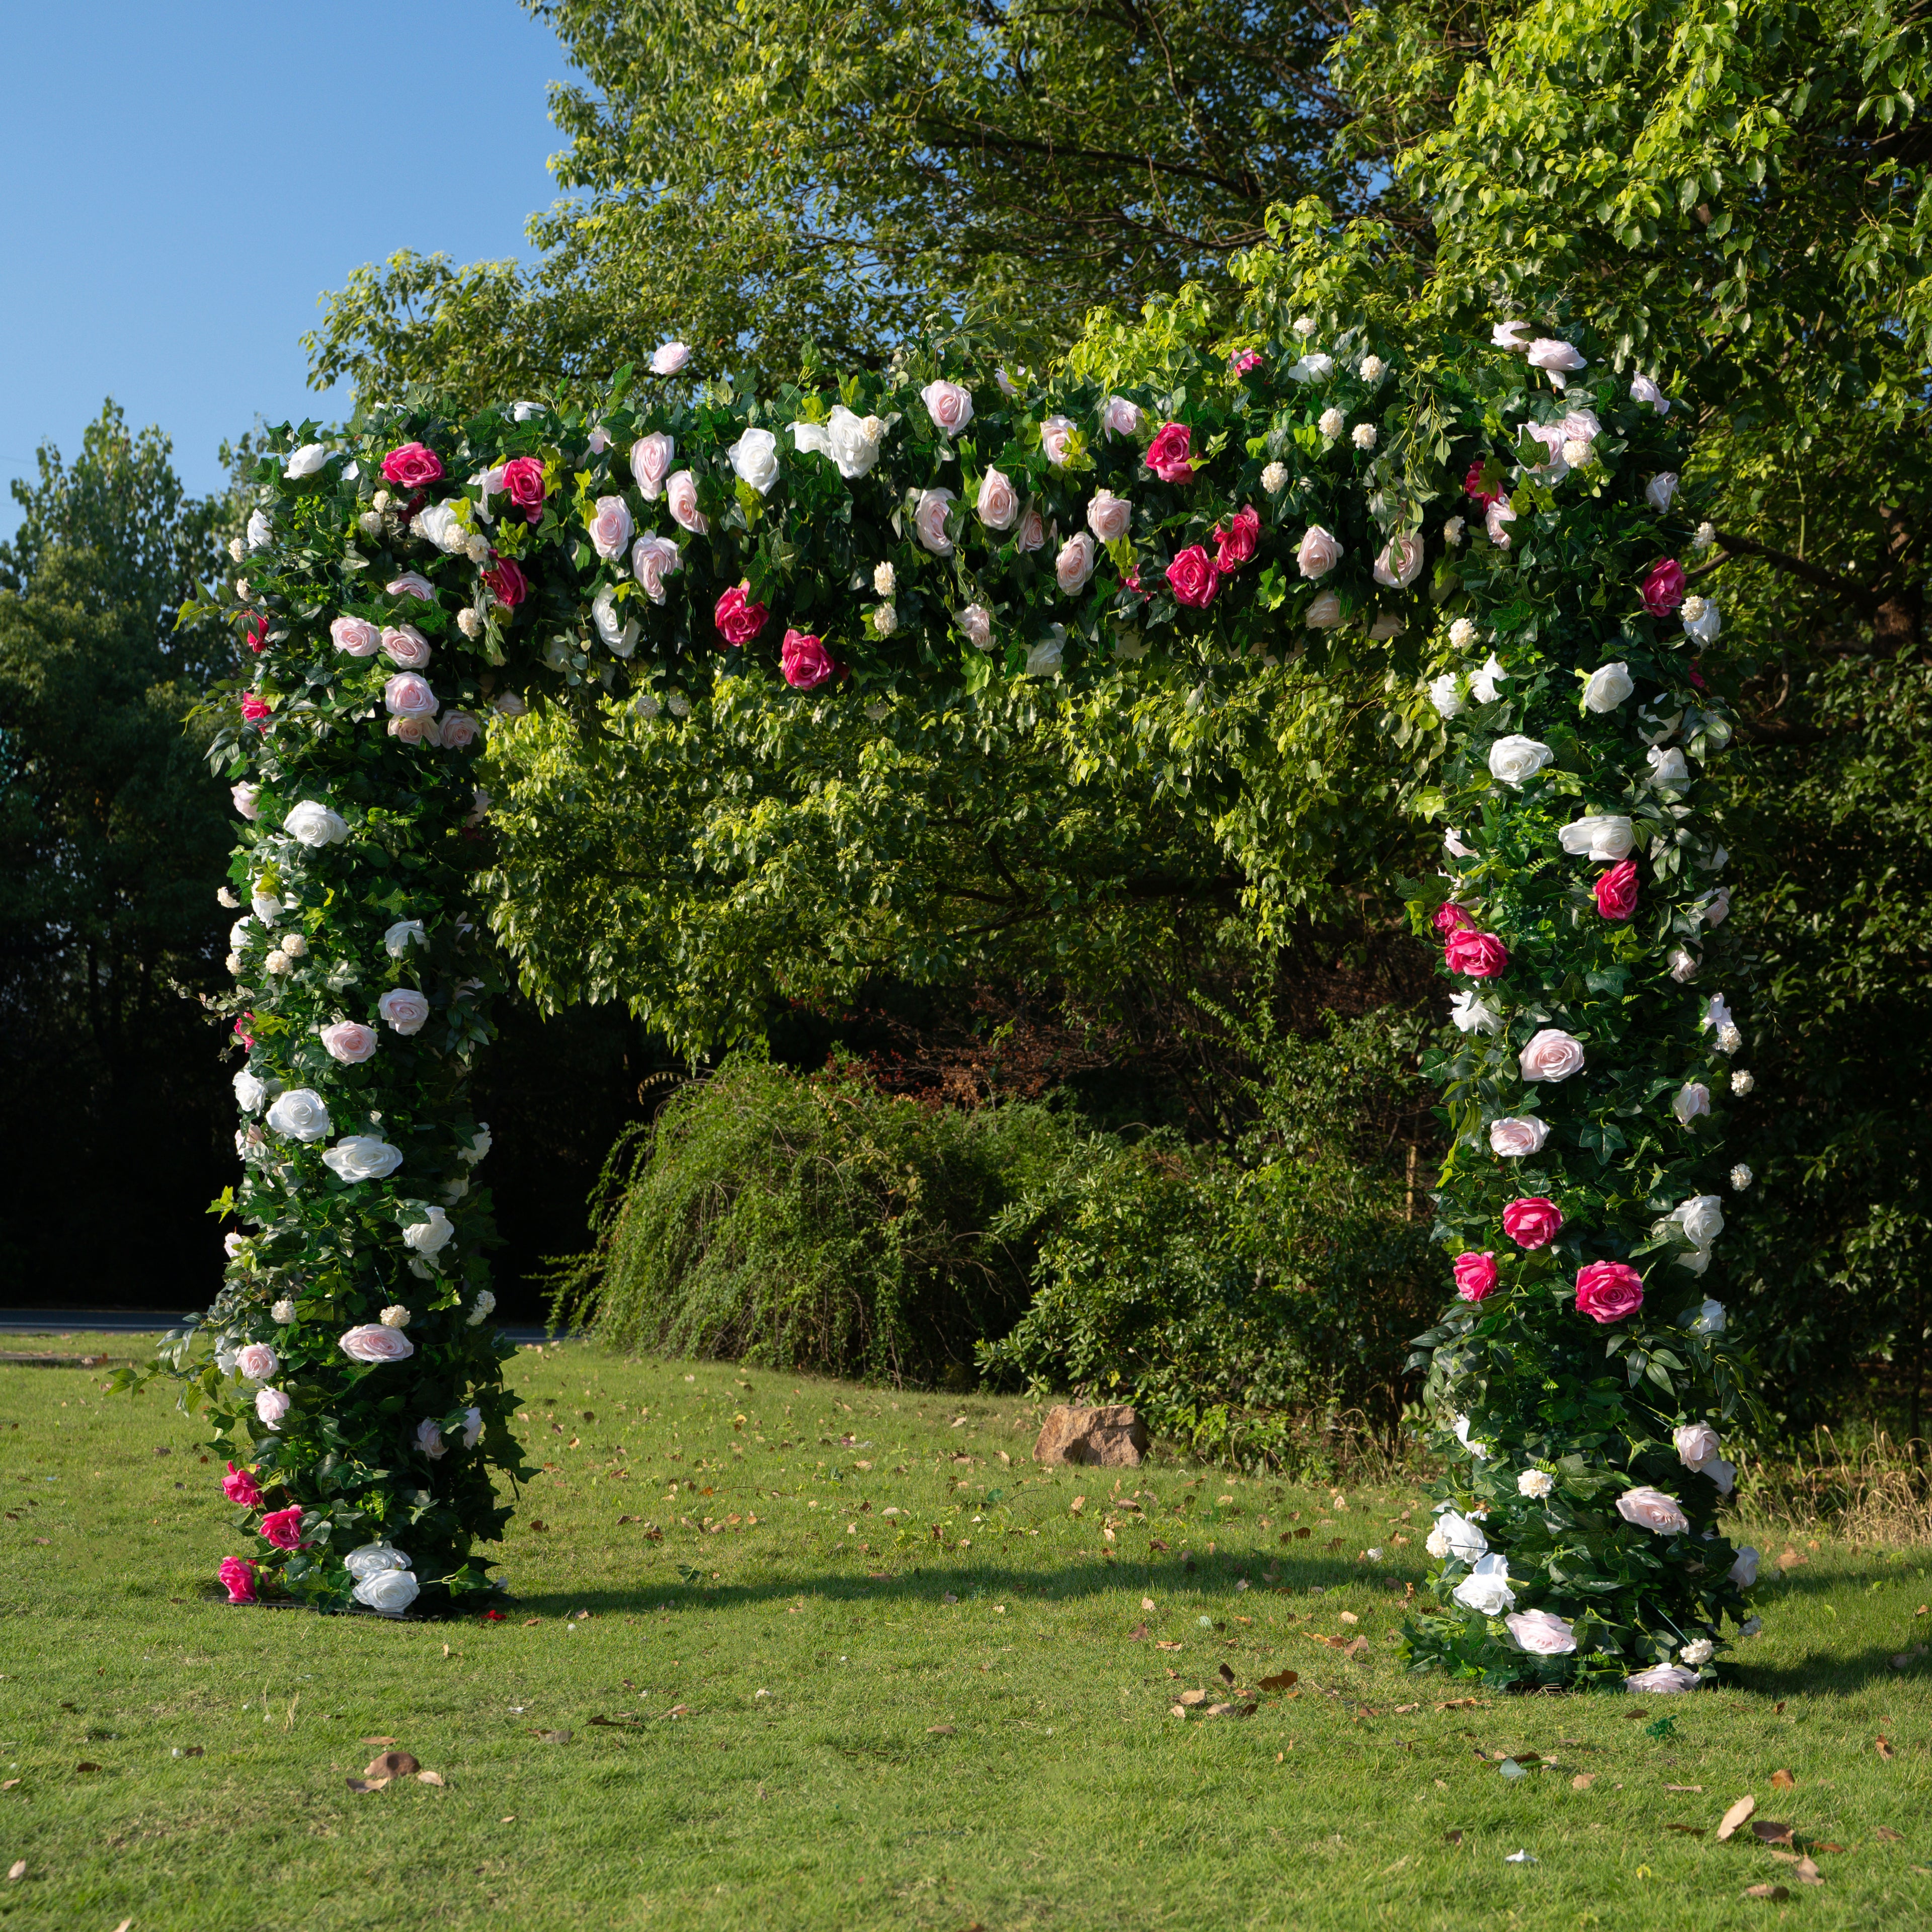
(407, 695)
(1496, 520)
(610, 527)
(653, 559)
(405, 645)
(1121, 417)
(600, 440)
(412, 584)
(1054, 433)
(1551, 1055)
(460, 731)
(1662, 1677)
(1324, 613)
(668, 358)
(256, 1361)
(977, 623)
(404, 1009)
(650, 463)
(1652, 1510)
(356, 635)
(373, 1343)
(1032, 533)
(949, 405)
(270, 1405)
(429, 1440)
(1317, 553)
(1074, 564)
(415, 730)
(1540, 1633)
(1517, 1136)
(1400, 563)
(1696, 1443)
(348, 1041)
(999, 503)
(929, 520)
(1108, 516)
(681, 499)
(247, 799)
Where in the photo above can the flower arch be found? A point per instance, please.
(1502, 521)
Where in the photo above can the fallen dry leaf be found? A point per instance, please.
(1884, 1749)
(1078, 1504)
(1138, 1634)
(1684, 1787)
(1282, 1679)
(379, 1744)
(392, 1764)
(1782, 1781)
(1403, 1710)
(553, 1737)
(1777, 1893)
(1146, 1603)
(1349, 1617)
(1688, 1831)
(1191, 1698)
(86, 1765)
(941, 1730)
(1885, 1834)
(1735, 1816)
(1806, 1873)
(1790, 1559)
(17, 1870)
(1583, 1780)
(8, 1784)
(429, 1777)
(366, 1784)
(1769, 1832)
(1226, 1675)
(1162, 1643)
(529, 1620)
(1452, 1837)
(1460, 1704)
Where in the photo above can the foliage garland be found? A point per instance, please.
(942, 527)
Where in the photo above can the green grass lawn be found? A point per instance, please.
(882, 1671)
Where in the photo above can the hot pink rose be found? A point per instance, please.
(413, 465)
(1481, 955)
(283, 1527)
(238, 1579)
(1616, 890)
(1167, 455)
(1472, 485)
(258, 634)
(1608, 1291)
(1248, 358)
(1450, 917)
(239, 1486)
(524, 484)
(1663, 588)
(254, 709)
(1235, 541)
(738, 619)
(1193, 576)
(1532, 1222)
(803, 660)
(1475, 1275)
(508, 584)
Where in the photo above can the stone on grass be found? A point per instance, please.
(1112, 1438)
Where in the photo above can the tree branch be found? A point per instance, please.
(1849, 588)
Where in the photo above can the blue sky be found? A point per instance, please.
(185, 177)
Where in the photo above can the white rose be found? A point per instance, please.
(1313, 368)
(1604, 836)
(251, 1093)
(621, 637)
(1661, 1678)
(404, 934)
(1274, 478)
(389, 1593)
(1443, 695)
(668, 358)
(1552, 1054)
(1541, 1633)
(998, 503)
(1108, 516)
(1044, 659)
(1056, 434)
(255, 1362)
(480, 1144)
(1558, 360)
(929, 521)
(1684, 966)
(301, 1115)
(315, 824)
(1742, 1081)
(650, 463)
(1511, 335)
(1331, 422)
(1471, 1015)
(1744, 1571)
(1324, 613)
(1515, 760)
(481, 1308)
(1702, 1218)
(1696, 1443)
(949, 406)
(1318, 552)
(1121, 417)
(1516, 1135)
(373, 1559)
(1651, 1509)
(1535, 1484)
(440, 525)
(1659, 491)
(976, 621)
(472, 1427)
(1705, 626)
(1693, 1098)
(363, 1157)
(755, 456)
(430, 1237)
(270, 1405)
(1363, 436)
(1483, 683)
(248, 800)
(1607, 687)
(1742, 1178)
(261, 532)
(1476, 1449)
(681, 499)
(1644, 389)
(1074, 564)
(306, 461)
(855, 441)
(1452, 531)
(404, 1009)
(1462, 1539)
(1485, 1589)
(429, 1440)
(1668, 770)
(1698, 1652)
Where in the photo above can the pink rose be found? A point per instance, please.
(1193, 578)
(650, 462)
(1248, 358)
(412, 466)
(653, 559)
(1234, 544)
(415, 730)
(239, 1486)
(1074, 564)
(976, 621)
(949, 406)
(349, 1041)
(1495, 522)
(254, 709)
(404, 1009)
(255, 1361)
(1449, 917)
(1663, 590)
(1472, 485)
(738, 619)
(1108, 516)
(507, 583)
(459, 731)
(1532, 1222)
(373, 1344)
(407, 695)
(1608, 1291)
(998, 503)
(1317, 553)
(1167, 454)
(610, 527)
(1651, 1509)
(524, 484)
(1400, 563)
(668, 358)
(802, 658)
(1616, 890)
(1475, 1275)
(283, 1527)
(929, 521)
(405, 645)
(411, 583)
(1481, 955)
(270, 1405)
(1551, 1055)
(1121, 417)
(1055, 438)
(356, 635)
(258, 634)
(238, 1579)
(1033, 532)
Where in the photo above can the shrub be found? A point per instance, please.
(814, 1223)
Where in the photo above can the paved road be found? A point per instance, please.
(141, 1322)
